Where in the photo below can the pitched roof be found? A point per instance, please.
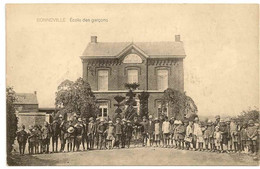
(152, 49)
(26, 98)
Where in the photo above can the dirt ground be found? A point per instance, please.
(133, 156)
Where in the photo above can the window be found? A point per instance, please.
(132, 76)
(103, 109)
(103, 80)
(132, 58)
(162, 109)
(162, 79)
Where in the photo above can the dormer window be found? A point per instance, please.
(132, 58)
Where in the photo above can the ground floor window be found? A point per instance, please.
(103, 109)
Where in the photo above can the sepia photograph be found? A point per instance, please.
(132, 84)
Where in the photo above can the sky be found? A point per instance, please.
(221, 69)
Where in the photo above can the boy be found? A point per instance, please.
(101, 133)
(252, 133)
(161, 120)
(150, 130)
(166, 132)
(78, 133)
(224, 132)
(118, 132)
(110, 135)
(70, 136)
(195, 131)
(91, 132)
(129, 132)
(171, 131)
(234, 135)
(188, 135)
(243, 137)
(208, 136)
(180, 134)
(156, 132)
(218, 139)
(176, 125)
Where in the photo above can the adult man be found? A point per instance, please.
(129, 132)
(150, 130)
(31, 139)
(91, 132)
(46, 134)
(144, 124)
(101, 133)
(22, 138)
(84, 136)
(63, 130)
(123, 138)
(136, 131)
(252, 133)
(216, 123)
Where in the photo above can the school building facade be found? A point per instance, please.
(156, 66)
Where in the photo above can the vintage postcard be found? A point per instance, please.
(132, 84)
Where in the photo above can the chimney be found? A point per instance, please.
(177, 38)
(93, 39)
(35, 92)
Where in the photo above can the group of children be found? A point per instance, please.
(220, 136)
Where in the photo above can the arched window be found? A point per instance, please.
(132, 58)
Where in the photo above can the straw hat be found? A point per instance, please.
(71, 130)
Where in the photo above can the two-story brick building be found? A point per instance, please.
(156, 66)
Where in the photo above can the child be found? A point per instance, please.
(129, 132)
(157, 131)
(166, 132)
(175, 133)
(150, 130)
(118, 132)
(110, 135)
(252, 133)
(224, 131)
(200, 139)
(234, 134)
(208, 136)
(70, 137)
(180, 134)
(217, 138)
(136, 132)
(243, 137)
(188, 135)
(101, 134)
(171, 131)
(144, 130)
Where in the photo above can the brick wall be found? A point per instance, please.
(31, 118)
(118, 75)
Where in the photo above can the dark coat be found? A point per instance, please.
(151, 127)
